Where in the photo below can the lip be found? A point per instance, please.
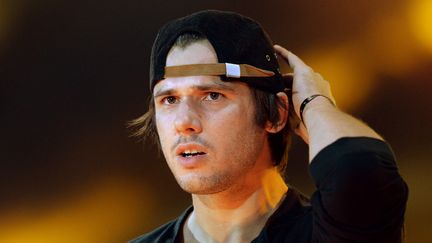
(193, 161)
(189, 146)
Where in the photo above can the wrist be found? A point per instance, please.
(314, 101)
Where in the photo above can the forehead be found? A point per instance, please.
(197, 52)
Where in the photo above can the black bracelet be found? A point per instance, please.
(309, 99)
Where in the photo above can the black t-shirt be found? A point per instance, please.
(360, 197)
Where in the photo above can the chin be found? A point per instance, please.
(202, 185)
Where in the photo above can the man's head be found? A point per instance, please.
(241, 116)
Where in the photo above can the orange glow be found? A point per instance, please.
(9, 11)
(98, 215)
(4, 21)
(421, 20)
(390, 45)
(349, 75)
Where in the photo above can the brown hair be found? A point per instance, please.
(266, 104)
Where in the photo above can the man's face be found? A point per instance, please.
(207, 128)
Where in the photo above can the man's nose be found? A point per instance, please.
(187, 121)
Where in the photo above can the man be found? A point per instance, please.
(222, 113)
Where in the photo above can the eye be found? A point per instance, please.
(213, 96)
(170, 100)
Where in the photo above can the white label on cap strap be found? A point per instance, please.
(232, 70)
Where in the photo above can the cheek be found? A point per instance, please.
(231, 122)
(222, 120)
(162, 120)
(234, 115)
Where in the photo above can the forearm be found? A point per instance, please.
(325, 124)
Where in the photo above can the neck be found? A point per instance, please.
(236, 215)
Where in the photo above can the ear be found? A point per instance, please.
(283, 114)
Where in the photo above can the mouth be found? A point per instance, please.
(191, 153)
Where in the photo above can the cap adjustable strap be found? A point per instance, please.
(233, 70)
(227, 69)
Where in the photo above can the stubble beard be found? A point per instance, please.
(243, 160)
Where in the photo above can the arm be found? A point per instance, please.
(323, 123)
(360, 195)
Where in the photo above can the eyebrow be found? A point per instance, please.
(215, 86)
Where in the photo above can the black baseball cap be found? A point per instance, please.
(237, 39)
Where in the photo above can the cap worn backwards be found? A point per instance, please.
(236, 39)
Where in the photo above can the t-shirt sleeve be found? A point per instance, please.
(360, 194)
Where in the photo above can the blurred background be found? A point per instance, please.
(72, 73)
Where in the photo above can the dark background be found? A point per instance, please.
(73, 73)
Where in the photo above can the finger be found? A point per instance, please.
(281, 51)
(294, 61)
